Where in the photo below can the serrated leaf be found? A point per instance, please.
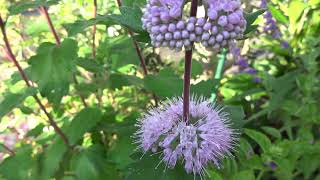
(148, 167)
(236, 115)
(49, 161)
(80, 25)
(204, 88)
(91, 164)
(52, 68)
(13, 100)
(89, 65)
(250, 18)
(130, 17)
(165, 84)
(260, 138)
(117, 81)
(83, 122)
(21, 160)
(36, 131)
(26, 5)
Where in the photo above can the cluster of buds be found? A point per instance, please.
(207, 137)
(223, 24)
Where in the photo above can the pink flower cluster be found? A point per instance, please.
(207, 137)
(224, 23)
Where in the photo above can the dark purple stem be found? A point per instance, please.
(187, 69)
(25, 78)
(8, 149)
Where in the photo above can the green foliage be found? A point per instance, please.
(53, 67)
(13, 100)
(97, 99)
(24, 6)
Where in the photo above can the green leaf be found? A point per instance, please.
(26, 5)
(165, 84)
(236, 115)
(250, 18)
(243, 175)
(272, 131)
(260, 138)
(83, 122)
(150, 167)
(16, 76)
(21, 160)
(130, 17)
(278, 15)
(117, 81)
(52, 68)
(80, 25)
(119, 52)
(196, 69)
(91, 164)
(49, 161)
(204, 88)
(89, 65)
(13, 100)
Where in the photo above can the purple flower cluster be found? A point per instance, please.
(270, 24)
(163, 19)
(243, 64)
(206, 138)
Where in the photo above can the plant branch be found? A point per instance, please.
(25, 78)
(44, 11)
(8, 149)
(140, 55)
(187, 69)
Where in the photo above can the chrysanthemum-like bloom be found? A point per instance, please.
(207, 137)
(164, 20)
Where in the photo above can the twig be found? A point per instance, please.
(44, 11)
(8, 149)
(25, 78)
(139, 53)
(187, 69)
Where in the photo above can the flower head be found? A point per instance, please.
(164, 21)
(207, 137)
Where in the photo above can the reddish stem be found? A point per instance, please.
(187, 70)
(44, 11)
(25, 78)
(136, 45)
(8, 149)
(94, 29)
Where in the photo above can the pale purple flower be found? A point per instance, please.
(207, 137)
(225, 17)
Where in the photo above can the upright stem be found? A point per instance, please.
(187, 69)
(8, 149)
(138, 50)
(94, 30)
(25, 78)
(140, 55)
(44, 10)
